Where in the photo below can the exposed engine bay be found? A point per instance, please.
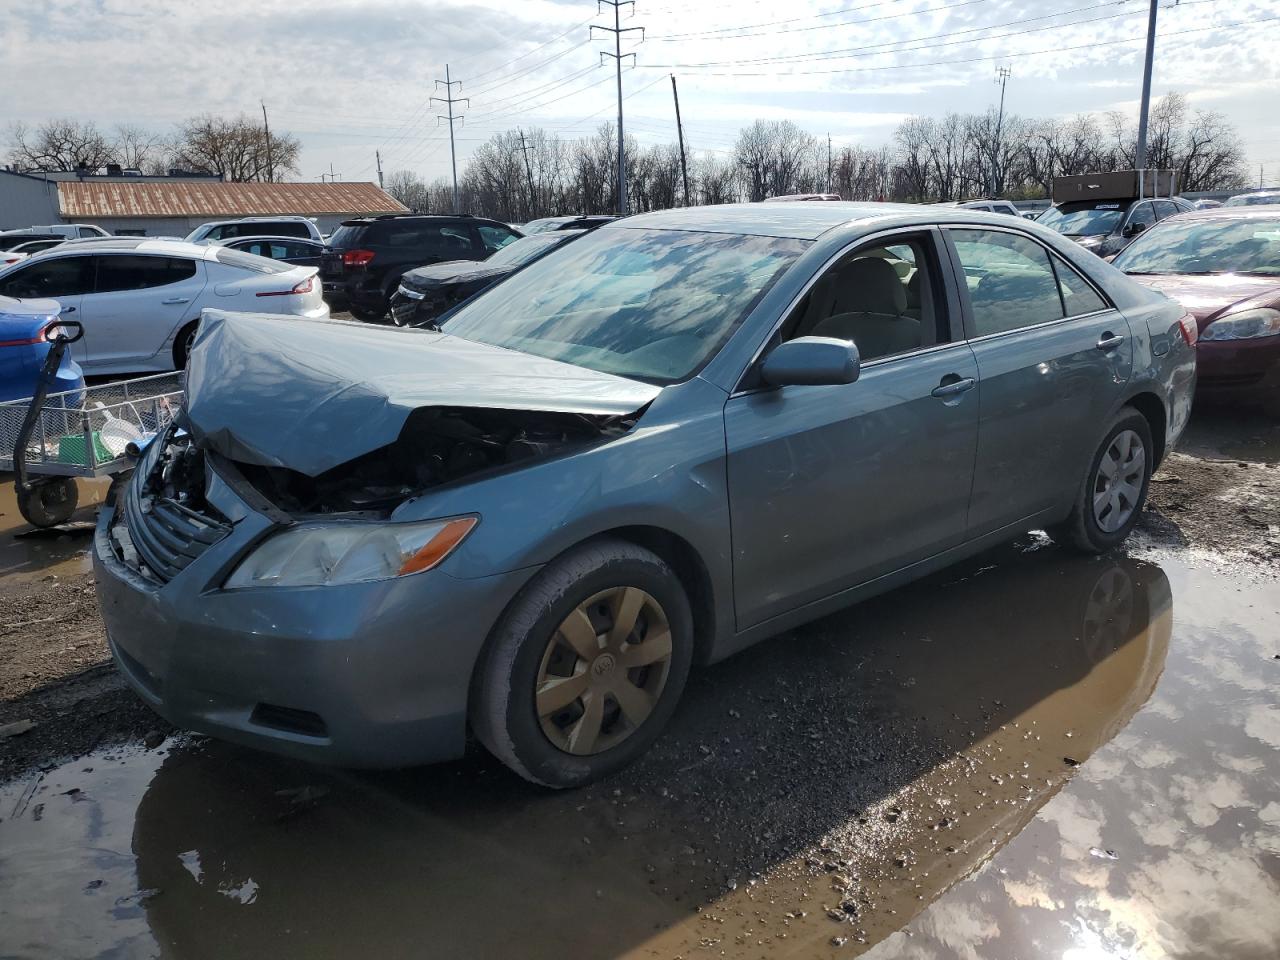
(437, 445)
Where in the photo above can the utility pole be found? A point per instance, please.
(330, 175)
(828, 163)
(528, 169)
(617, 56)
(267, 129)
(377, 154)
(684, 168)
(1140, 158)
(1002, 78)
(450, 100)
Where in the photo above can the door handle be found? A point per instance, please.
(177, 300)
(66, 310)
(953, 387)
(1109, 341)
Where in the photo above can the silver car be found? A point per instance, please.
(683, 433)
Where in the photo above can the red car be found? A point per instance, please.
(1223, 265)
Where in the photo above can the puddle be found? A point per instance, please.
(1033, 755)
(35, 554)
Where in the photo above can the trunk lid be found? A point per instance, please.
(265, 390)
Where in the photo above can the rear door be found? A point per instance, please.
(1053, 357)
(139, 301)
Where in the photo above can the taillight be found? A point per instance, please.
(1190, 332)
(356, 258)
(305, 286)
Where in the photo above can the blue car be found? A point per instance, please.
(23, 349)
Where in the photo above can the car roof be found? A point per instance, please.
(175, 248)
(232, 241)
(1258, 211)
(799, 219)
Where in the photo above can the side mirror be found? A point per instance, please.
(811, 361)
(1133, 229)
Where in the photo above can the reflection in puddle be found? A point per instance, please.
(993, 724)
(27, 554)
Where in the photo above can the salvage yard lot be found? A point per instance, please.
(813, 796)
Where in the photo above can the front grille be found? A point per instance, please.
(160, 536)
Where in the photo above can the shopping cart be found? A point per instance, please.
(53, 438)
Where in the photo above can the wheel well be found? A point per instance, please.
(1152, 408)
(681, 557)
(180, 361)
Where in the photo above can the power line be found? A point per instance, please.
(502, 66)
(675, 38)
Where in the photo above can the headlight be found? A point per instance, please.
(1245, 325)
(322, 554)
(411, 294)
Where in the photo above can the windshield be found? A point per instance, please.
(1206, 246)
(525, 249)
(653, 305)
(1088, 222)
(1252, 199)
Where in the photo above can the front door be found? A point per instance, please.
(139, 302)
(65, 279)
(1053, 356)
(831, 486)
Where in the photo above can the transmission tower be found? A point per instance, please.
(617, 56)
(449, 99)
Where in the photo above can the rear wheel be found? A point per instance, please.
(1111, 498)
(585, 668)
(368, 316)
(48, 503)
(183, 343)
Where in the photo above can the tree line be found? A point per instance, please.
(234, 148)
(518, 176)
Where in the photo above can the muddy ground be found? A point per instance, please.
(814, 794)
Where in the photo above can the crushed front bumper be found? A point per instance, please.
(363, 675)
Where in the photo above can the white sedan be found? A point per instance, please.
(139, 300)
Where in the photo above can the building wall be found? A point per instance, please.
(26, 201)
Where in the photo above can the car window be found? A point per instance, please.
(883, 298)
(58, 277)
(1204, 247)
(650, 304)
(293, 250)
(1009, 278)
(495, 238)
(1142, 213)
(1166, 208)
(87, 232)
(140, 272)
(1078, 298)
(1085, 221)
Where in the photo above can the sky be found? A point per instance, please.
(350, 78)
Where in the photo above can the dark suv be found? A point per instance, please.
(367, 256)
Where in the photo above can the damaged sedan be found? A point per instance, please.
(679, 434)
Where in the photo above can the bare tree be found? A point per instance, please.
(773, 155)
(59, 145)
(235, 149)
(136, 148)
(409, 189)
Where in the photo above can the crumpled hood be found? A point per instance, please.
(311, 395)
(1205, 296)
(459, 271)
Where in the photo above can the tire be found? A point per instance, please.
(1091, 530)
(368, 316)
(182, 344)
(528, 648)
(48, 502)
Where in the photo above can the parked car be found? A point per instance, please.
(367, 256)
(427, 292)
(990, 206)
(1106, 227)
(139, 300)
(1206, 204)
(1223, 266)
(678, 435)
(1254, 199)
(36, 246)
(10, 257)
(23, 349)
(545, 224)
(302, 253)
(283, 226)
(16, 238)
(68, 231)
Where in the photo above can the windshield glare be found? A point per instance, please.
(1206, 246)
(1082, 223)
(524, 250)
(653, 305)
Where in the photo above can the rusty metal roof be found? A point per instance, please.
(79, 200)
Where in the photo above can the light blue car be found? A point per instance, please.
(683, 433)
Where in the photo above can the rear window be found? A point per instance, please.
(348, 236)
(267, 228)
(247, 261)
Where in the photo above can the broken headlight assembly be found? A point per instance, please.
(332, 554)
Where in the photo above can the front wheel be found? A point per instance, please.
(368, 316)
(585, 668)
(1110, 501)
